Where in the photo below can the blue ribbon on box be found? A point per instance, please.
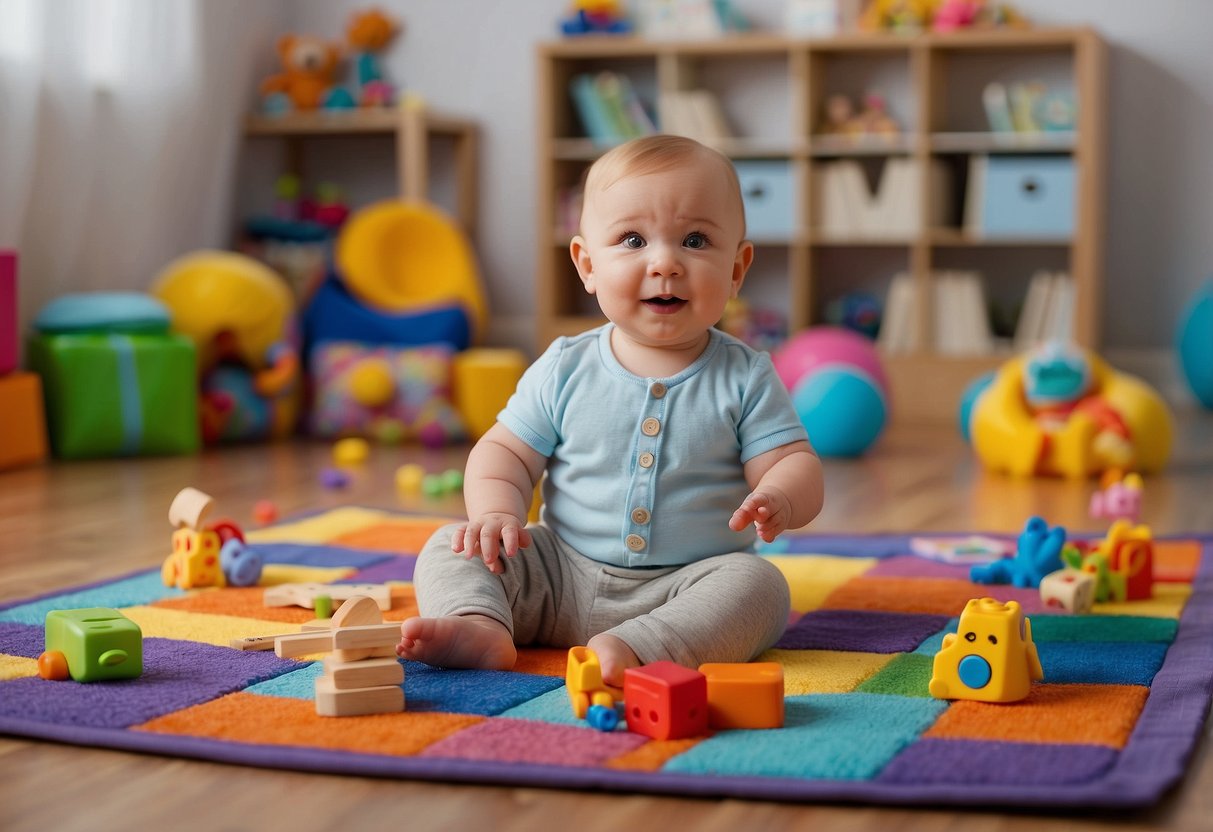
(128, 392)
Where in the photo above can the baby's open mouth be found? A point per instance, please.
(664, 303)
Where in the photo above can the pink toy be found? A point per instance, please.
(8, 311)
(1118, 498)
(823, 346)
(955, 14)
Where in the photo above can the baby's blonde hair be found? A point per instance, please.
(655, 154)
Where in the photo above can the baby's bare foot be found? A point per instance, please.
(472, 641)
(615, 657)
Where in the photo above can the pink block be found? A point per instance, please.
(8, 311)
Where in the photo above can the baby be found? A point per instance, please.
(669, 447)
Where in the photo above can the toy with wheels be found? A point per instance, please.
(1061, 410)
(838, 387)
(240, 316)
(401, 257)
(1194, 344)
(583, 678)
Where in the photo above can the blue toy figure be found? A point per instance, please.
(1037, 553)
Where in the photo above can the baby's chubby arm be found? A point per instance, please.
(787, 490)
(498, 484)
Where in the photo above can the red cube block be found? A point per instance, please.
(666, 701)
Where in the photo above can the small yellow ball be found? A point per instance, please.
(409, 478)
(371, 383)
(350, 452)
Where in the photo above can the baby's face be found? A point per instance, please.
(663, 252)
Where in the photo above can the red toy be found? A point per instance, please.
(666, 701)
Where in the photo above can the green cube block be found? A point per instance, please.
(115, 394)
(98, 643)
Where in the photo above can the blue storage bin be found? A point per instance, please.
(1028, 196)
(766, 189)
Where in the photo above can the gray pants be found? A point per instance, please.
(727, 608)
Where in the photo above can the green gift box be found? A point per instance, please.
(115, 387)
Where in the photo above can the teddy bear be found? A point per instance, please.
(310, 64)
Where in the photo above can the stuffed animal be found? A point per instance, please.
(368, 34)
(310, 65)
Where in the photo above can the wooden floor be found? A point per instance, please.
(65, 524)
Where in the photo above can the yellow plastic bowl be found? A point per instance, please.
(405, 256)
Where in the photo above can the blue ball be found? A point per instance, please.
(241, 564)
(842, 408)
(968, 400)
(1194, 344)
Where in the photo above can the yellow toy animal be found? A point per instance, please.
(990, 659)
(309, 65)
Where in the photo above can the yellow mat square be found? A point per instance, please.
(813, 577)
(17, 667)
(1168, 602)
(219, 630)
(825, 671)
(288, 573)
(322, 527)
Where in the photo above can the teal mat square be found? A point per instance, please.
(135, 591)
(847, 736)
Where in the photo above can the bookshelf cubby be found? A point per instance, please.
(773, 90)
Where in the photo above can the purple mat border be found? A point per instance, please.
(1154, 760)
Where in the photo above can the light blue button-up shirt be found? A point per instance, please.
(673, 447)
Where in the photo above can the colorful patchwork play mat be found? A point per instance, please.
(1114, 723)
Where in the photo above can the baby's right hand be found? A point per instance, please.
(488, 536)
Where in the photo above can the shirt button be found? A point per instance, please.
(650, 427)
(640, 516)
(635, 542)
(657, 390)
(646, 460)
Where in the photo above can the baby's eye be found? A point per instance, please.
(695, 240)
(632, 240)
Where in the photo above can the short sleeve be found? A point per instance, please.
(768, 419)
(530, 412)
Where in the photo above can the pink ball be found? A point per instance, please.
(822, 346)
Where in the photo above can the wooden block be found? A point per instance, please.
(255, 642)
(357, 654)
(356, 611)
(330, 701)
(304, 595)
(289, 647)
(189, 508)
(368, 635)
(363, 674)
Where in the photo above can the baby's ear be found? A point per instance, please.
(741, 264)
(581, 259)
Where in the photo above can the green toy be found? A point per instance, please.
(96, 644)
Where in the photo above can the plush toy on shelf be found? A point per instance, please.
(368, 34)
(1060, 410)
(309, 67)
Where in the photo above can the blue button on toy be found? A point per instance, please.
(974, 672)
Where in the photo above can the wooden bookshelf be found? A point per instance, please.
(410, 126)
(935, 72)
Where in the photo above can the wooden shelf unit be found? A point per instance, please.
(411, 126)
(926, 384)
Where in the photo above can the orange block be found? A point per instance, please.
(744, 695)
(22, 420)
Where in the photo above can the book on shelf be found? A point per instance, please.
(1048, 310)
(975, 195)
(899, 324)
(997, 105)
(696, 114)
(847, 207)
(609, 108)
(961, 318)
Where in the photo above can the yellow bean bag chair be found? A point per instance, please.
(403, 257)
(1094, 418)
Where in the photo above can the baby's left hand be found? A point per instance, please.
(768, 509)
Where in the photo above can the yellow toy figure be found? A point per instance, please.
(1061, 410)
(194, 561)
(991, 658)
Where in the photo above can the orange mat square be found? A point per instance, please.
(652, 755)
(401, 536)
(1175, 561)
(936, 596)
(1090, 714)
(247, 602)
(542, 661)
(273, 720)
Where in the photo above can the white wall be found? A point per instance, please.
(475, 58)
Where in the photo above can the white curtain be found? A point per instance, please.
(119, 129)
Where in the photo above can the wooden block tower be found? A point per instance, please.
(361, 673)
